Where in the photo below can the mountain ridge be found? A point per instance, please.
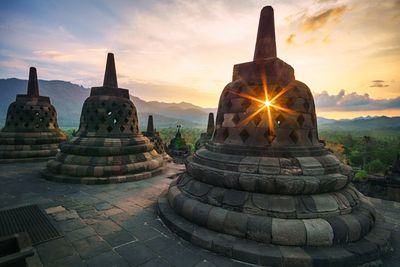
(68, 99)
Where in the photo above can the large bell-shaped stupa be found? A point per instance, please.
(265, 190)
(31, 131)
(108, 147)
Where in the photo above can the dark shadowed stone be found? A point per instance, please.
(223, 244)
(259, 228)
(340, 229)
(199, 189)
(187, 210)
(216, 219)
(234, 198)
(215, 196)
(235, 224)
(364, 248)
(354, 227)
(365, 223)
(295, 256)
(201, 212)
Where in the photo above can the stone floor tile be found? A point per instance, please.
(91, 246)
(80, 233)
(48, 253)
(119, 238)
(107, 259)
(135, 253)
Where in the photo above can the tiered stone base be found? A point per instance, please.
(28, 146)
(91, 160)
(365, 250)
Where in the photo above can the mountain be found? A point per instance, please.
(68, 99)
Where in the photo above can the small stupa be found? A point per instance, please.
(108, 147)
(206, 137)
(31, 130)
(156, 139)
(265, 190)
(177, 147)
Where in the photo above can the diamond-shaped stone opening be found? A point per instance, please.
(257, 119)
(294, 136)
(269, 135)
(109, 128)
(310, 136)
(226, 93)
(131, 128)
(122, 128)
(306, 105)
(244, 135)
(300, 120)
(229, 104)
(103, 119)
(220, 119)
(236, 119)
(280, 119)
(225, 133)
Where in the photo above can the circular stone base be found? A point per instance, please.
(365, 250)
(27, 160)
(100, 180)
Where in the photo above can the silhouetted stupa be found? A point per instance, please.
(265, 190)
(206, 137)
(108, 147)
(177, 147)
(31, 131)
(155, 138)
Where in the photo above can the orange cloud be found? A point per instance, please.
(313, 23)
(290, 39)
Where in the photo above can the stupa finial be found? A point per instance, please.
(150, 125)
(110, 75)
(210, 125)
(265, 43)
(33, 85)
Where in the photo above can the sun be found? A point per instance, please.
(267, 103)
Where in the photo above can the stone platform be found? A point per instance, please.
(117, 224)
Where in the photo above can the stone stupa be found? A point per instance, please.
(156, 139)
(265, 190)
(206, 137)
(31, 131)
(108, 147)
(177, 147)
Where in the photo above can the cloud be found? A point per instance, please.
(314, 23)
(353, 102)
(290, 39)
(379, 83)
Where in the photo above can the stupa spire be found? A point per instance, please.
(150, 125)
(110, 75)
(33, 85)
(265, 43)
(210, 125)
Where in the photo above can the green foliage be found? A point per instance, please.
(361, 175)
(371, 151)
(375, 166)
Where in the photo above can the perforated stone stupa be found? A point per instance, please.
(206, 137)
(265, 190)
(108, 147)
(156, 139)
(31, 131)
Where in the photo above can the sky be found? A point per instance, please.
(346, 51)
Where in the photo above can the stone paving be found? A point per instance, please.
(117, 224)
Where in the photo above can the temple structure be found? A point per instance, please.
(265, 190)
(31, 130)
(108, 147)
(177, 147)
(156, 139)
(206, 137)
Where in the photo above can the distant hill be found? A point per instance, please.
(68, 99)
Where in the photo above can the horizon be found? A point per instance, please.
(342, 50)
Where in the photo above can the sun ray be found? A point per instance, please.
(250, 117)
(283, 91)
